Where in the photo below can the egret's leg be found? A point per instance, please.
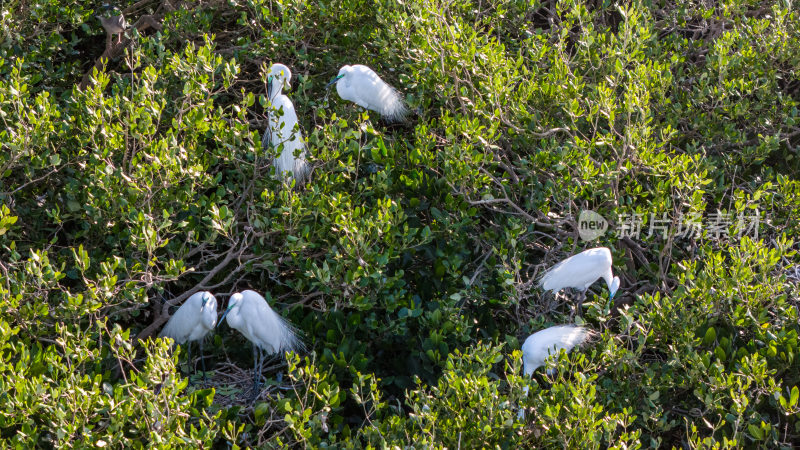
(574, 310)
(203, 362)
(256, 352)
(260, 369)
(189, 368)
(582, 298)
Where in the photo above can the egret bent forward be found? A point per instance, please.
(250, 314)
(283, 128)
(196, 317)
(362, 86)
(581, 271)
(540, 345)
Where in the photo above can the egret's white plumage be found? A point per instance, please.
(549, 341)
(196, 317)
(362, 86)
(581, 271)
(283, 128)
(250, 314)
(540, 345)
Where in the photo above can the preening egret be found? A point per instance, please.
(581, 271)
(196, 317)
(250, 313)
(282, 126)
(113, 22)
(541, 344)
(362, 86)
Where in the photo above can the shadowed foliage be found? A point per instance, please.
(409, 261)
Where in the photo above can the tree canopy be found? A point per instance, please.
(134, 175)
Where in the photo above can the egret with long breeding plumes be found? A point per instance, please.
(250, 314)
(283, 129)
(581, 271)
(540, 345)
(362, 86)
(196, 317)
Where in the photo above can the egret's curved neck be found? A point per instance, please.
(233, 318)
(209, 318)
(275, 89)
(609, 277)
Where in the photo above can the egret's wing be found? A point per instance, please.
(182, 323)
(542, 343)
(373, 93)
(574, 271)
(269, 329)
(286, 131)
(568, 336)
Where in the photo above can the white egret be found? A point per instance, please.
(362, 86)
(283, 128)
(581, 271)
(540, 345)
(250, 314)
(113, 22)
(196, 317)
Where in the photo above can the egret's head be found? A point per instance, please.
(234, 301)
(342, 73)
(612, 289)
(280, 73)
(208, 301)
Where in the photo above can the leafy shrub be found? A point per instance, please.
(409, 261)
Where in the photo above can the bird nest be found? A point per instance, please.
(233, 385)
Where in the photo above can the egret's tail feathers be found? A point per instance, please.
(290, 337)
(297, 167)
(301, 171)
(546, 281)
(394, 109)
(169, 331)
(575, 336)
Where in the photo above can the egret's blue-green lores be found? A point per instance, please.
(196, 317)
(283, 129)
(250, 314)
(362, 86)
(581, 271)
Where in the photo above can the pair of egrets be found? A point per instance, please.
(248, 312)
(577, 272)
(358, 84)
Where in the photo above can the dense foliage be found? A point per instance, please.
(409, 261)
